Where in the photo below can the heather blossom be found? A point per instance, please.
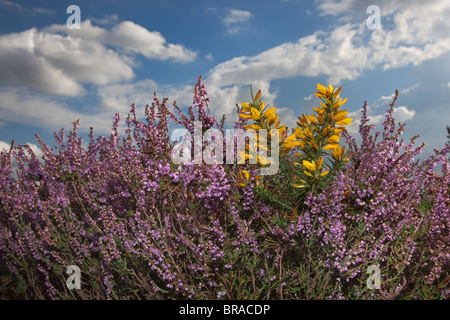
(140, 226)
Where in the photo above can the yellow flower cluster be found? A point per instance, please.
(264, 117)
(320, 132)
(316, 136)
(243, 177)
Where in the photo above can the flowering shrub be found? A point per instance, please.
(141, 227)
(384, 209)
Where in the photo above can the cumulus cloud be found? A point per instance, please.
(118, 97)
(413, 32)
(151, 44)
(345, 52)
(321, 53)
(130, 37)
(4, 146)
(107, 20)
(235, 19)
(331, 54)
(55, 64)
(402, 114)
(20, 105)
(376, 113)
(59, 61)
(356, 9)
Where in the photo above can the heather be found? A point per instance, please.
(140, 226)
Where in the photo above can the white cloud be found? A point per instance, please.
(55, 64)
(118, 97)
(234, 20)
(287, 117)
(25, 107)
(4, 146)
(402, 114)
(415, 32)
(237, 16)
(225, 98)
(376, 113)
(351, 9)
(151, 44)
(59, 61)
(374, 119)
(22, 8)
(349, 49)
(410, 89)
(107, 20)
(130, 37)
(333, 7)
(331, 54)
(412, 31)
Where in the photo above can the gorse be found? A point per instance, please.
(267, 122)
(139, 226)
(315, 139)
(318, 137)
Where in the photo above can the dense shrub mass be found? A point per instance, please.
(140, 226)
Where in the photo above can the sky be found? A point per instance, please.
(52, 74)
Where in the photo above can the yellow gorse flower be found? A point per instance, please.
(331, 146)
(338, 152)
(315, 142)
(314, 168)
(323, 91)
(255, 114)
(264, 117)
(333, 138)
(258, 95)
(311, 166)
(243, 177)
(319, 133)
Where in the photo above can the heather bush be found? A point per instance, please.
(140, 226)
(384, 209)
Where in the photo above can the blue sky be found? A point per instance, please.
(124, 51)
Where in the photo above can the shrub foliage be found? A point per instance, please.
(141, 227)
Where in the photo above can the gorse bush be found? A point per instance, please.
(140, 226)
